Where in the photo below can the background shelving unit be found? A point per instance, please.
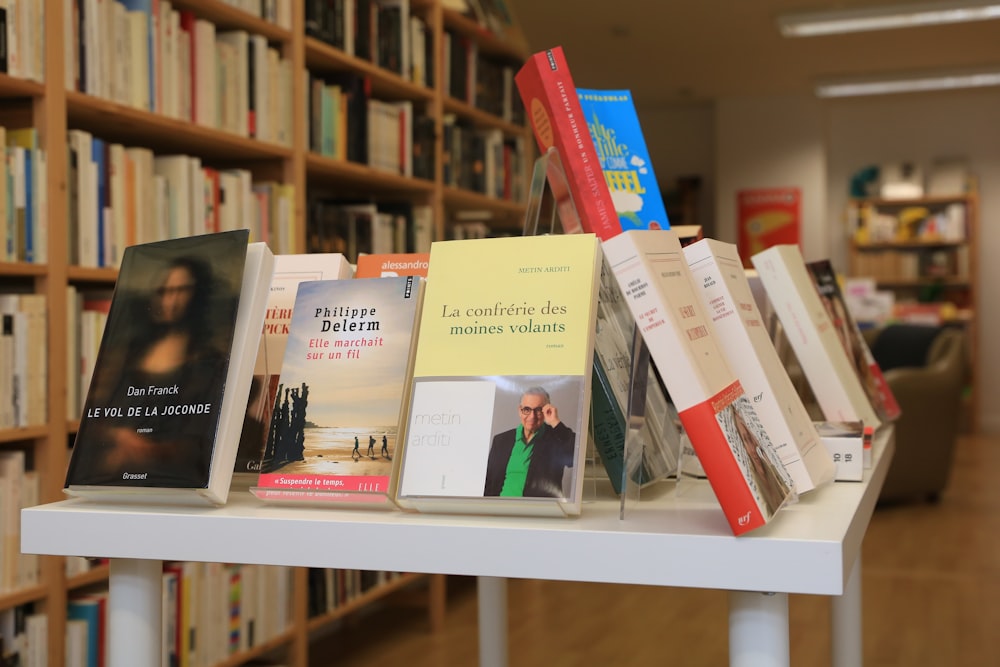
(53, 111)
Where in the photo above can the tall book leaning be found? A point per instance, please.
(812, 336)
(738, 457)
(165, 408)
(725, 293)
(500, 401)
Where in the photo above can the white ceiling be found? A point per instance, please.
(670, 51)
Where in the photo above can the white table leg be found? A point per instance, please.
(845, 621)
(758, 629)
(134, 608)
(492, 621)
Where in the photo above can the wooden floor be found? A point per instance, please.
(931, 597)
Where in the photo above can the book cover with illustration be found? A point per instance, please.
(628, 171)
(165, 408)
(500, 400)
(722, 284)
(737, 455)
(557, 120)
(857, 350)
(289, 271)
(809, 330)
(393, 264)
(343, 383)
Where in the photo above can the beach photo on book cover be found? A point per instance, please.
(494, 436)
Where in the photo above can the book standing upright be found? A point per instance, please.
(739, 459)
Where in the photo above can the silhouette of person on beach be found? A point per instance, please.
(385, 446)
(356, 454)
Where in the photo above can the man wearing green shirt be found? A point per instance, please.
(530, 460)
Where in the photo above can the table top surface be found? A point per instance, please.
(675, 536)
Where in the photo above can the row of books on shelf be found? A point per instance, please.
(483, 161)
(908, 224)
(119, 196)
(330, 589)
(935, 263)
(24, 633)
(484, 82)
(153, 57)
(19, 488)
(278, 12)
(22, 26)
(23, 360)
(382, 32)
(23, 196)
(358, 228)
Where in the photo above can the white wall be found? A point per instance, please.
(817, 145)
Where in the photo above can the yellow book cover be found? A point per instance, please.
(498, 413)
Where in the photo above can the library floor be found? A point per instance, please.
(931, 591)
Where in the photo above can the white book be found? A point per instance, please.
(812, 336)
(725, 293)
(732, 445)
(177, 176)
(237, 40)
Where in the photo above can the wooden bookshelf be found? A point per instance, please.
(53, 110)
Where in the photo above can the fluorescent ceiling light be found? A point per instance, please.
(929, 81)
(861, 19)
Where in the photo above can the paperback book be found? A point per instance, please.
(855, 347)
(334, 427)
(393, 264)
(500, 400)
(628, 171)
(738, 457)
(289, 271)
(165, 408)
(725, 294)
(557, 120)
(811, 334)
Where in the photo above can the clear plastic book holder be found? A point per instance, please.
(633, 445)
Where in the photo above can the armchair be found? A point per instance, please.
(926, 369)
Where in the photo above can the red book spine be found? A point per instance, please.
(550, 98)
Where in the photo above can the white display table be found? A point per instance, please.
(682, 540)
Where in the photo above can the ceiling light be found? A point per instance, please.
(930, 81)
(811, 24)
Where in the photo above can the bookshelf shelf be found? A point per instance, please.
(22, 269)
(228, 17)
(23, 434)
(466, 199)
(13, 599)
(93, 576)
(481, 118)
(362, 600)
(489, 43)
(366, 178)
(386, 85)
(286, 637)
(13, 87)
(83, 274)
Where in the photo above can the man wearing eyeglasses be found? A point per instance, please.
(531, 460)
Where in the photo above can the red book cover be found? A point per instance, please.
(550, 98)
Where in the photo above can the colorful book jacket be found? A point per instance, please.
(732, 445)
(343, 385)
(857, 350)
(557, 120)
(628, 171)
(725, 293)
(810, 332)
(165, 408)
(498, 413)
(393, 264)
(289, 271)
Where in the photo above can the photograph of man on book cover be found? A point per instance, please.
(536, 457)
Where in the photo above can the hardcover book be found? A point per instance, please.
(344, 380)
(500, 400)
(725, 294)
(810, 332)
(732, 445)
(557, 120)
(289, 271)
(165, 407)
(628, 171)
(857, 350)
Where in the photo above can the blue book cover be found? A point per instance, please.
(97, 153)
(621, 149)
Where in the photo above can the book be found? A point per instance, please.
(343, 385)
(737, 455)
(855, 346)
(728, 300)
(557, 121)
(812, 336)
(500, 401)
(846, 443)
(289, 271)
(628, 170)
(392, 264)
(165, 408)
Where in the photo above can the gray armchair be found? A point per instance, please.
(926, 368)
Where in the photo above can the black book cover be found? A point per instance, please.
(154, 403)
